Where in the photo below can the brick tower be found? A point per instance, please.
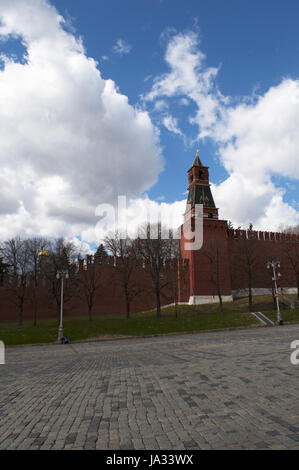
(209, 273)
(199, 190)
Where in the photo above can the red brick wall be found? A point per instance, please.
(263, 247)
(195, 276)
(109, 297)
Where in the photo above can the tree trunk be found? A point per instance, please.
(35, 314)
(250, 299)
(218, 282)
(35, 305)
(90, 312)
(220, 303)
(250, 294)
(219, 295)
(127, 301)
(158, 301)
(20, 313)
(175, 297)
(128, 309)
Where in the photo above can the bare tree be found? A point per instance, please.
(212, 252)
(15, 253)
(155, 249)
(294, 230)
(3, 269)
(290, 250)
(248, 262)
(36, 246)
(173, 266)
(61, 257)
(90, 279)
(125, 255)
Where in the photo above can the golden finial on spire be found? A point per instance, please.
(197, 150)
(43, 252)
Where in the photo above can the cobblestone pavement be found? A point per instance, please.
(222, 390)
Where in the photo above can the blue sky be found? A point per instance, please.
(255, 44)
(238, 104)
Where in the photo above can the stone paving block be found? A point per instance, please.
(221, 390)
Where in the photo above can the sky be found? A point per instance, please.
(100, 99)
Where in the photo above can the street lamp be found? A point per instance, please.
(60, 275)
(274, 265)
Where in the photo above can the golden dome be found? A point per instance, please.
(43, 252)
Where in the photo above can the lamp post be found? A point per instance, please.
(60, 275)
(274, 265)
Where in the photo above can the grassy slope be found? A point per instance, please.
(267, 306)
(190, 318)
(287, 315)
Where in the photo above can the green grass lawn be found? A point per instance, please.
(266, 305)
(286, 315)
(190, 318)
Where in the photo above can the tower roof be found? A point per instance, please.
(199, 191)
(197, 161)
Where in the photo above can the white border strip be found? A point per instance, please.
(261, 319)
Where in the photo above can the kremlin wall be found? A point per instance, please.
(229, 262)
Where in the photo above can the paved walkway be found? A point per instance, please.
(224, 390)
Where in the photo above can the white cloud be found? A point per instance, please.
(122, 47)
(257, 137)
(68, 139)
(262, 137)
(258, 141)
(185, 101)
(138, 211)
(160, 105)
(244, 201)
(189, 77)
(171, 123)
(82, 248)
